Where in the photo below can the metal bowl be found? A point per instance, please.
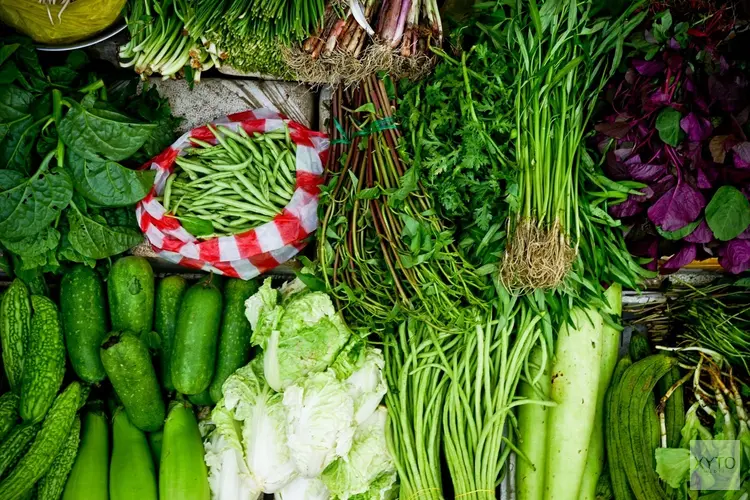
(108, 33)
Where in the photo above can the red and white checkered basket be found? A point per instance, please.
(258, 250)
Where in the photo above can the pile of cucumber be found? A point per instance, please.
(148, 349)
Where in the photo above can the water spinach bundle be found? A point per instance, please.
(564, 59)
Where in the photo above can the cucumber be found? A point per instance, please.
(84, 321)
(44, 367)
(168, 298)
(196, 336)
(182, 472)
(15, 328)
(51, 486)
(47, 443)
(88, 478)
(154, 442)
(8, 413)
(202, 399)
(131, 473)
(15, 445)
(128, 365)
(234, 339)
(130, 288)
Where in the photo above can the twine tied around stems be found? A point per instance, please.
(387, 123)
(419, 493)
(491, 492)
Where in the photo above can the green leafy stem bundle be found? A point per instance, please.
(64, 193)
(383, 249)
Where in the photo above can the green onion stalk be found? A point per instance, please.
(385, 253)
(564, 58)
(159, 43)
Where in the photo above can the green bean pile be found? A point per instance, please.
(238, 184)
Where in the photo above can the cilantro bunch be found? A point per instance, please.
(458, 125)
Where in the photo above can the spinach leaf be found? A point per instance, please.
(62, 75)
(27, 205)
(10, 73)
(728, 213)
(67, 252)
(36, 244)
(107, 183)
(7, 50)
(14, 102)
(93, 132)
(91, 237)
(668, 125)
(17, 143)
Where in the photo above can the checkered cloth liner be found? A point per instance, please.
(253, 252)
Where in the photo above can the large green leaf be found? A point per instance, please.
(27, 205)
(107, 183)
(36, 244)
(728, 213)
(18, 142)
(14, 102)
(92, 237)
(92, 132)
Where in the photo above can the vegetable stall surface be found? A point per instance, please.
(234, 185)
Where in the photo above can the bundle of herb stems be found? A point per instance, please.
(382, 240)
(563, 63)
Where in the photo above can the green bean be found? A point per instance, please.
(203, 144)
(211, 177)
(254, 198)
(247, 206)
(221, 167)
(289, 167)
(168, 190)
(224, 143)
(191, 167)
(247, 142)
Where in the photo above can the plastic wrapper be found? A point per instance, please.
(80, 20)
(254, 252)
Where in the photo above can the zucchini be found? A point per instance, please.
(634, 440)
(196, 336)
(128, 365)
(15, 445)
(8, 413)
(168, 298)
(51, 486)
(46, 445)
(44, 367)
(15, 328)
(84, 321)
(154, 442)
(130, 288)
(89, 476)
(131, 473)
(234, 339)
(182, 471)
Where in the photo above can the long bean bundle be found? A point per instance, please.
(235, 185)
(563, 62)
